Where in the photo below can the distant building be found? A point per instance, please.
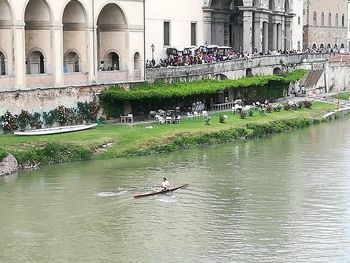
(297, 28)
(325, 24)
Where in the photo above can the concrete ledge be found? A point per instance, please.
(332, 115)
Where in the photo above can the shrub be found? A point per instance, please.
(49, 118)
(277, 107)
(307, 104)
(35, 121)
(243, 114)
(23, 119)
(262, 111)
(269, 108)
(286, 107)
(9, 122)
(93, 108)
(63, 115)
(251, 112)
(221, 118)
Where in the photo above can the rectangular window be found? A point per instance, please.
(166, 33)
(193, 34)
(298, 20)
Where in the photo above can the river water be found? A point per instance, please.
(285, 198)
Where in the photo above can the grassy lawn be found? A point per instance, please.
(122, 138)
(342, 95)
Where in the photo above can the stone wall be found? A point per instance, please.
(8, 165)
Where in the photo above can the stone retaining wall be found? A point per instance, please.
(8, 165)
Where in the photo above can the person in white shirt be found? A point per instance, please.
(165, 184)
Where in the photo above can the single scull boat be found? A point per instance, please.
(161, 191)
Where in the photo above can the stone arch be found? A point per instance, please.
(322, 19)
(336, 20)
(249, 72)
(314, 46)
(314, 19)
(36, 62)
(38, 36)
(111, 60)
(71, 61)
(329, 46)
(277, 71)
(112, 35)
(220, 76)
(321, 46)
(342, 45)
(6, 45)
(75, 24)
(6, 13)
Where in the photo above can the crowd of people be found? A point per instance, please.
(212, 54)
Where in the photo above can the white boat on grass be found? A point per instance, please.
(55, 130)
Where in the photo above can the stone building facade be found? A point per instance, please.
(64, 43)
(325, 24)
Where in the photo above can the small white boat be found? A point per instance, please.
(55, 130)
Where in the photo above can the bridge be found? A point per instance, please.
(234, 69)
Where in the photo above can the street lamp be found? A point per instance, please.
(152, 47)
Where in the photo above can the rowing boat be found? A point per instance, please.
(161, 191)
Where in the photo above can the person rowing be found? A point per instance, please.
(165, 184)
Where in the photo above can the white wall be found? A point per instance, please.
(180, 14)
(297, 28)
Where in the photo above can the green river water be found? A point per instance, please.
(285, 198)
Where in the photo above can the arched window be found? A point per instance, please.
(329, 46)
(342, 20)
(36, 63)
(321, 46)
(286, 6)
(329, 19)
(342, 46)
(71, 62)
(112, 62)
(137, 64)
(336, 20)
(314, 19)
(2, 64)
(335, 46)
(272, 4)
(322, 19)
(314, 46)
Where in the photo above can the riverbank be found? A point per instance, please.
(121, 140)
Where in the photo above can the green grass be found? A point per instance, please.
(342, 95)
(125, 139)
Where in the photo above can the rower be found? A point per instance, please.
(165, 184)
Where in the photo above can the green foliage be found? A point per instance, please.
(63, 115)
(242, 114)
(35, 121)
(23, 119)
(277, 107)
(49, 118)
(207, 120)
(307, 104)
(53, 153)
(3, 154)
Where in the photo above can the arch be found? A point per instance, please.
(74, 13)
(111, 14)
(71, 61)
(111, 61)
(137, 61)
(335, 46)
(249, 72)
(321, 46)
(329, 19)
(220, 76)
(37, 11)
(6, 13)
(329, 46)
(36, 62)
(342, 46)
(277, 71)
(314, 46)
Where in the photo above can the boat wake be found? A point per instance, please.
(110, 194)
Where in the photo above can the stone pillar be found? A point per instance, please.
(265, 37)
(20, 57)
(247, 31)
(288, 34)
(92, 55)
(207, 25)
(257, 34)
(274, 36)
(58, 55)
(279, 36)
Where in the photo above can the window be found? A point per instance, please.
(36, 63)
(111, 63)
(322, 19)
(314, 19)
(137, 61)
(342, 20)
(299, 20)
(299, 45)
(166, 33)
(193, 34)
(336, 20)
(71, 62)
(329, 19)
(2, 64)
